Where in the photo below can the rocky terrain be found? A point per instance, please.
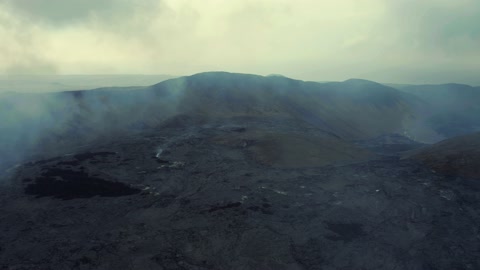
(232, 171)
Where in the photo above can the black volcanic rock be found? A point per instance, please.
(69, 184)
(225, 208)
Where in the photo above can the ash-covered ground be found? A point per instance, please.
(224, 195)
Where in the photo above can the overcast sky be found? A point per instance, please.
(399, 41)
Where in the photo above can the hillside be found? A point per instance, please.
(458, 156)
(61, 120)
(352, 110)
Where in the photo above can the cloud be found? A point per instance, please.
(19, 47)
(310, 39)
(61, 12)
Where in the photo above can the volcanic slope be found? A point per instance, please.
(350, 109)
(209, 196)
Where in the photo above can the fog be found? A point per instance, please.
(55, 83)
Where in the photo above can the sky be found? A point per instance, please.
(396, 41)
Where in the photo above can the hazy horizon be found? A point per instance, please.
(432, 41)
(38, 83)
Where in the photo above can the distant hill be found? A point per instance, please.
(397, 85)
(351, 110)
